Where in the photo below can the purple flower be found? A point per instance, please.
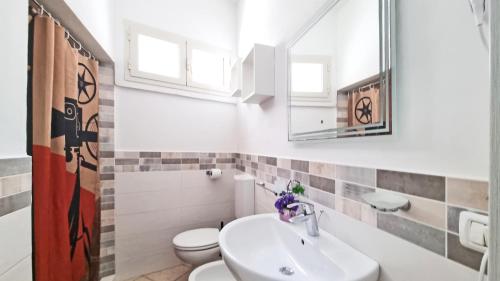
(284, 200)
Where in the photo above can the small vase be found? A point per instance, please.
(286, 215)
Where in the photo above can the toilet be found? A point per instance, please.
(201, 246)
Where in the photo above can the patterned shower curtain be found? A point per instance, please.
(65, 158)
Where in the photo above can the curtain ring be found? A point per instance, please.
(66, 34)
(42, 10)
(79, 45)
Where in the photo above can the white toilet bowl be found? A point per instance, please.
(214, 271)
(197, 246)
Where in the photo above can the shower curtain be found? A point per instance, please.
(65, 158)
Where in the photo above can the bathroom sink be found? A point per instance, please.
(263, 248)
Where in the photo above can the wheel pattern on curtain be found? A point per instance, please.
(66, 214)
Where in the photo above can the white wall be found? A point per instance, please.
(441, 99)
(15, 228)
(149, 121)
(158, 121)
(97, 16)
(13, 78)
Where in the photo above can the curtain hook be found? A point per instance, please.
(79, 45)
(66, 34)
(42, 10)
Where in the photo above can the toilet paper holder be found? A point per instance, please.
(214, 173)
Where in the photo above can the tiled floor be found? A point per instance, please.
(177, 273)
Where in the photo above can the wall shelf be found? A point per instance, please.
(235, 85)
(257, 75)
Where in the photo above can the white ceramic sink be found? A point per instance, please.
(255, 248)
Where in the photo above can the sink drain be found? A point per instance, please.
(285, 270)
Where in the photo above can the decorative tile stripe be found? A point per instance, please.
(148, 161)
(13, 184)
(12, 203)
(15, 166)
(435, 199)
(427, 237)
(460, 254)
(432, 187)
(107, 170)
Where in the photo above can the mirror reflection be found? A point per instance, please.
(335, 73)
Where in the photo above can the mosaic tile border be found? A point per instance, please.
(149, 161)
(15, 184)
(436, 201)
(106, 169)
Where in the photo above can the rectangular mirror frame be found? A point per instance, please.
(387, 76)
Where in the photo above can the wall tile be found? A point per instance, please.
(284, 173)
(21, 271)
(324, 184)
(301, 177)
(130, 161)
(15, 229)
(358, 175)
(171, 161)
(325, 170)
(467, 193)
(299, 165)
(12, 203)
(432, 187)
(15, 166)
(150, 154)
(419, 234)
(272, 161)
(368, 215)
(427, 211)
(322, 197)
(190, 160)
(353, 191)
(460, 254)
(284, 163)
(348, 207)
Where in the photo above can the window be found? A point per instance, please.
(208, 67)
(165, 59)
(310, 76)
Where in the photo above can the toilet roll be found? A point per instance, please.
(214, 173)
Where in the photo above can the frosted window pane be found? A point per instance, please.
(207, 68)
(307, 77)
(158, 56)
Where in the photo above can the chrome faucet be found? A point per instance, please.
(306, 215)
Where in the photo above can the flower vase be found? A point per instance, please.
(286, 215)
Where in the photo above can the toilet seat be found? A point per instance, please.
(197, 239)
(213, 271)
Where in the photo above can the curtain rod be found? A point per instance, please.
(66, 32)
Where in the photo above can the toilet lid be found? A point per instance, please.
(197, 238)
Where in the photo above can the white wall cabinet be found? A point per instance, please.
(257, 75)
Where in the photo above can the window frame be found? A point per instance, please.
(191, 44)
(314, 59)
(133, 74)
(133, 57)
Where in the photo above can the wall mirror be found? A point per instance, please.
(339, 72)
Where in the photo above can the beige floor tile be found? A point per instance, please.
(171, 274)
